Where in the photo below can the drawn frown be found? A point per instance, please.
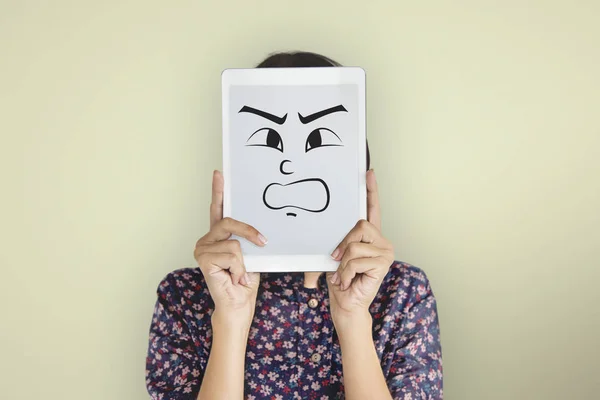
(310, 194)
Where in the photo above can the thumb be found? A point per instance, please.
(253, 279)
(373, 208)
(216, 204)
(329, 276)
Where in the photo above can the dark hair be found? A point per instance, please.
(298, 59)
(302, 59)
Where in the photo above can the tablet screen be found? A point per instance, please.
(293, 164)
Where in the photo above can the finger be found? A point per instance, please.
(252, 278)
(216, 204)
(229, 226)
(373, 208)
(366, 266)
(213, 263)
(331, 277)
(359, 250)
(231, 246)
(353, 251)
(237, 271)
(224, 246)
(364, 232)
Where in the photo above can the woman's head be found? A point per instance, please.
(302, 59)
(298, 59)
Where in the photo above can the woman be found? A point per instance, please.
(368, 331)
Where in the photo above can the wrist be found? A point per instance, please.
(232, 321)
(352, 325)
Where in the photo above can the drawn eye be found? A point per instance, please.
(266, 137)
(322, 137)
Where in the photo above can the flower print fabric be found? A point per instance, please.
(293, 351)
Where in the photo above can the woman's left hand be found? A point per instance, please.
(365, 257)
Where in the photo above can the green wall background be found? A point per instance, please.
(485, 134)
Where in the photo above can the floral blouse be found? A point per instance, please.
(293, 351)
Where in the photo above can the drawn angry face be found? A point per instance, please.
(310, 194)
(293, 161)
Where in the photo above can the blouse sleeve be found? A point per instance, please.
(175, 364)
(416, 370)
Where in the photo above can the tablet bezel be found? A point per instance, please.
(291, 77)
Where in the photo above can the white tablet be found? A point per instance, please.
(294, 161)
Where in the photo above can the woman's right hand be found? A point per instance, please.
(232, 289)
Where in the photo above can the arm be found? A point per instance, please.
(363, 377)
(179, 365)
(416, 369)
(234, 294)
(224, 375)
(174, 364)
(365, 257)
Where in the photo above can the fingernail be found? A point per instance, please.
(243, 280)
(262, 239)
(335, 253)
(333, 278)
(338, 280)
(247, 278)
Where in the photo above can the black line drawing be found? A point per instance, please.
(321, 181)
(281, 168)
(271, 138)
(312, 117)
(316, 139)
(319, 137)
(264, 114)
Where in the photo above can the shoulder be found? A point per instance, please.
(181, 279)
(184, 286)
(404, 285)
(407, 274)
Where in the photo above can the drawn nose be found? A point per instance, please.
(287, 170)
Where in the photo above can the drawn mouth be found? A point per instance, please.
(310, 195)
(291, 214)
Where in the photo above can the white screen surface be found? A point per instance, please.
(294, 164)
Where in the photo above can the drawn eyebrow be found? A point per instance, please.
(270, 117)
(312, 117)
